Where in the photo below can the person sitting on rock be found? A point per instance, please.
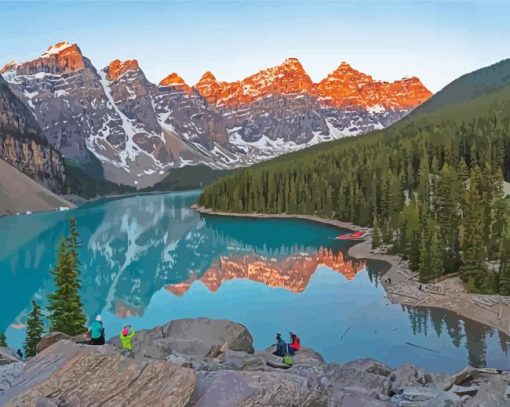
(281, 346)
(295, 343)
(126, 337)
(96, 331)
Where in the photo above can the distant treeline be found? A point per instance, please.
(430, 186)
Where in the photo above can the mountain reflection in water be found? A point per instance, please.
(292, 273)
(148, 259)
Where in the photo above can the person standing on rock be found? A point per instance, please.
(96, 331)
(126, 337)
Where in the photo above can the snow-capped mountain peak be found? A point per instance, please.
(139, 130)
(57, 48)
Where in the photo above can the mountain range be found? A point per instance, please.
(138, 131)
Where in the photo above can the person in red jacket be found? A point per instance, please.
(295, 343)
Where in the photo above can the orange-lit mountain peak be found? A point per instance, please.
(118, 68)
(9, 66)
(346, 87)
(209, 87)
(58, 48)
(207, 76)
(63, 57)
(175, 82)
(288, 77)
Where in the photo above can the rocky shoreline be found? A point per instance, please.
(405, 289)
(206, 363)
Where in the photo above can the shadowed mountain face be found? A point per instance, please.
(139, 130)
(22, 145)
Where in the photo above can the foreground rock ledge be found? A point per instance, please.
(203, 362)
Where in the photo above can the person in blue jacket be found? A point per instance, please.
(96, 332)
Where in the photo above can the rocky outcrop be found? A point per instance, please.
(70, 374)
(22, 146)
(7, 356)
(182, 372)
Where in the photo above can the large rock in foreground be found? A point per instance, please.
(192, 337)
(67, 373)
(226, 373)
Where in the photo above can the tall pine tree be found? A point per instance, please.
(473, 270)
(35, 329)
(3, 340)
(66, 310)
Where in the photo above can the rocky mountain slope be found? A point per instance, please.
(22, 145)
(139, 130)
(202, 362)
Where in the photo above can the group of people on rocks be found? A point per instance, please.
(96, 333)
(97, 337)
(283, 348)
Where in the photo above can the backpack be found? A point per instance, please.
(287, 360)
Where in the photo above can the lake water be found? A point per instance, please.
(149, 259)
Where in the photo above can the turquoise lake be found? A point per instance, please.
(149, 259)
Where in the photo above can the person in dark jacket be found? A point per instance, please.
(295, 343)
(281, 346)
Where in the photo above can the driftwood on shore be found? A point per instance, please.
(404, 295)
(422, 300)
(483, 305)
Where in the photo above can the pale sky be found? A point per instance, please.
(436, 41)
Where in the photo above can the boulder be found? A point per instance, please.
(406, 376)
(236, 360)
(227, 388)
(341, 377)
(491, 393)
(53, 337)
(9, 375)
(370, 366)
(73, 374)
(197, 336)
(190, 337)
(148, 343)
(7, 356)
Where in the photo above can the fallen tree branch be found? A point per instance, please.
(422, 301)
(345, 333)
(421, 347)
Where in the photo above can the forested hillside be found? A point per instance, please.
(431, 186)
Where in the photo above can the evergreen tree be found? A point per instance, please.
(34, 330)
(3, 340)
(376, 235)
(473, 269)
(504, 269)
(409, 235)
(435, 254)
(65, 307)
